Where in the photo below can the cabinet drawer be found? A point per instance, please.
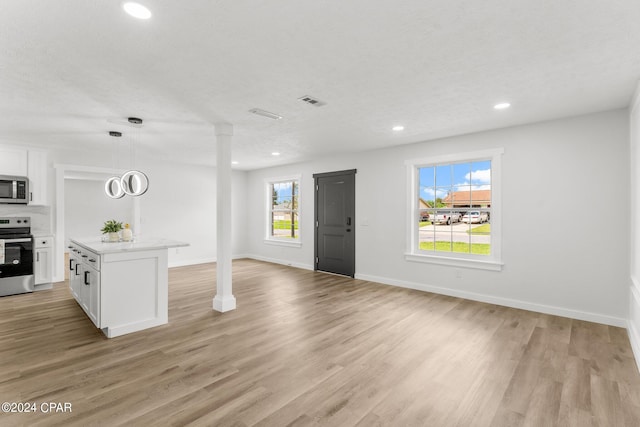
(92, 259)
(43, 242)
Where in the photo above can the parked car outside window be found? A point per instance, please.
(445, 217)
(475, 217)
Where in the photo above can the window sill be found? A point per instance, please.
(290, 244)
(455, 262)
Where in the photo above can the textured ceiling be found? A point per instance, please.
(67, 66)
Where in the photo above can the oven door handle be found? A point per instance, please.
(17, 240)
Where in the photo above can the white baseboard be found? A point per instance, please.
(187, 262)
(540, 308)
(281, 261)
(634, 339)
(633, 329)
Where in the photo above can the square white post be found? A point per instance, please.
(224, 299)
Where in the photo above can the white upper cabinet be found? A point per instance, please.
(37, 173)
(13, 161)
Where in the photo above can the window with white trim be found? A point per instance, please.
(455, 210)
(283, 196)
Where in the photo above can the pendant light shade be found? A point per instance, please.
(134, 183)
(113, 187)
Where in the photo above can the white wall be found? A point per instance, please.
(179, 205)
(559, 179)
(87, 207)
(633, 328)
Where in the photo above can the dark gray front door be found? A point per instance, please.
(335, 222)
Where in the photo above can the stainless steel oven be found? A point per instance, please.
(16, 256)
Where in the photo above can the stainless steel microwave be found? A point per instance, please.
(14, 189)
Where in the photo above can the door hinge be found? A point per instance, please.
(317, 187)
(317, 260)
(317, 224)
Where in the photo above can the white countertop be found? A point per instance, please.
(139, 244)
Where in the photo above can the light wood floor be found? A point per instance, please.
(307, 348)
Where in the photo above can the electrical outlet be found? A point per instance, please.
(458, 273)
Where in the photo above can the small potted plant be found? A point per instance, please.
(111, 228)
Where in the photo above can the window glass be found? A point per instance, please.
(283, 213)
(454, 206)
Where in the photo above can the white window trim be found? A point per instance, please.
(492, 262)
(270, 240)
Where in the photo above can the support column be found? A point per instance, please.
(224, 299)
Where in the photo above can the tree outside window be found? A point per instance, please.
(284, 216)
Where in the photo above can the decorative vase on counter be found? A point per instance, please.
(127, 234)
(111, 229)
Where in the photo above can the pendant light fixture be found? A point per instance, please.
(113, 186)
(133, 182)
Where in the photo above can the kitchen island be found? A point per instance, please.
(122, 286)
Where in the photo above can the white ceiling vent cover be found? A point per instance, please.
(312, 101)
(265, 113)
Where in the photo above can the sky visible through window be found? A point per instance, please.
(283, 192)
(437, 181)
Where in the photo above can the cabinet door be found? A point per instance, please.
(85, 285)
(37, 168)
(75, 278)
(43, 270)
(72, 261)
(13, 161)
(94, 295)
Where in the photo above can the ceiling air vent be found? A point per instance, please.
(264, 113)
(312, 101)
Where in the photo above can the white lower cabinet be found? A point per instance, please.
(123, 287)
(43, 263)
(84, 281)
(91, 280)
(74, 273)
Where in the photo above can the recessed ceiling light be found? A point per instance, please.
(398, 128)
(502, 106)
(137, 10)
(275, 153)
(234, 162)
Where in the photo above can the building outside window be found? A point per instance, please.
(453, 214)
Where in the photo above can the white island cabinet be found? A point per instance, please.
(122, 287)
